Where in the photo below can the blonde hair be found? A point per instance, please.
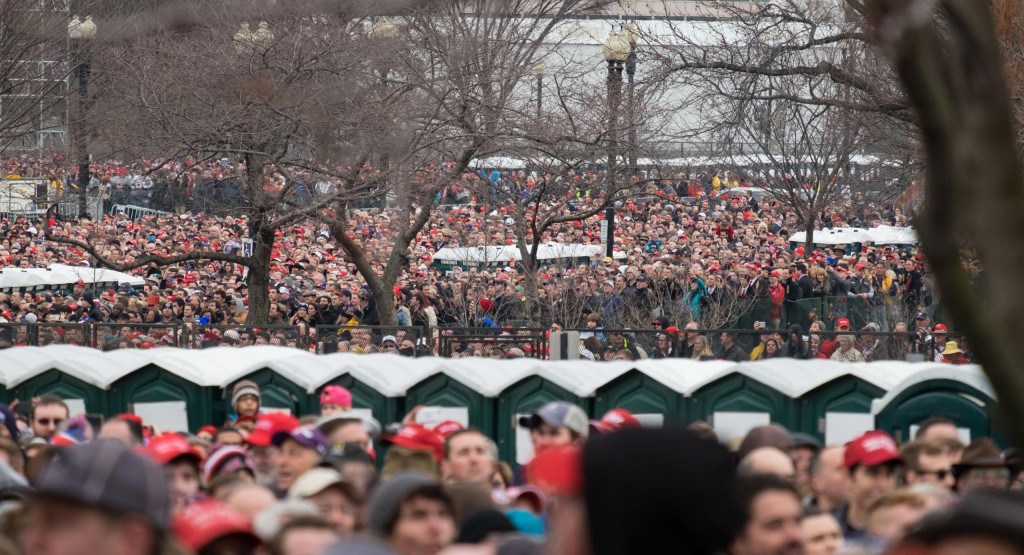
(707, 347)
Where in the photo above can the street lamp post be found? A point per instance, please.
(539, 70)
(616, 52)
(80, 33)
(631, 37)
(385, 30)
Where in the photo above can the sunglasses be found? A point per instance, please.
(48, 421)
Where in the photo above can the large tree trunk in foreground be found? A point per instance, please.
(975, 190)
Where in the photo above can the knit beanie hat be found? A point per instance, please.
(244, 387)
(386, 501)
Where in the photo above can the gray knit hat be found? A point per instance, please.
(386, 501)
(244, 387)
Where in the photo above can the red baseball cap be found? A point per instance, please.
(167, 447)
(558, 470)
(212, 430)
(613, 420)
(449, 427)
(267, 425)
(417, 438)
(201, 524)
(842, 322)
(871, 449)
(940, 327)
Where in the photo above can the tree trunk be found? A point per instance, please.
(381, 289)
(974, 187)
(258, 279)
(531, 288)
(809, 224)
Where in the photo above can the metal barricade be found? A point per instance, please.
(135, 212)
(199, 336)
(15, 334)
(493, 342)
(113, 336)
(60, 333)
(368, 339)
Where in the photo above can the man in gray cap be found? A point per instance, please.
(556, 424)
(99, 497)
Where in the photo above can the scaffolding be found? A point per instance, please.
(34, 76)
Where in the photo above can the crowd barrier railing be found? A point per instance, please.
(456, 342)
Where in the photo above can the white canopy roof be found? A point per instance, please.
(58, 275)
(881, 235)
(891, 235)
(505, 253)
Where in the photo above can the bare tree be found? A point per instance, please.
(462, 80)
(275, 101)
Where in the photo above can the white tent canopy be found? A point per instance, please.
(61, 275)
(506, 253)
(881, 235)
(890, 235)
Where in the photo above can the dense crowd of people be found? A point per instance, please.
(695, 250)
(338, 482)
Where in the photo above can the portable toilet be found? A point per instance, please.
(733, 402)
(280, 372)
(651, 391)
(365, 396)
(962, 394)
(523, 391)
(78, 375)
(444, 397)
(388, 375)
(164, 388)
(837, 408)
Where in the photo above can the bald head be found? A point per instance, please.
(767, 461)
(249, 500)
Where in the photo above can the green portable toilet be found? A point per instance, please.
(276, 391)
(645, 391)
(384, 409)
(18, 362)
(387, 377)
(446, 398)
(283, 375)
(364, 395)
(838, 407)
(79, 375)
(165, 391)
(532, 389)
(959, 393)
(733, 402)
